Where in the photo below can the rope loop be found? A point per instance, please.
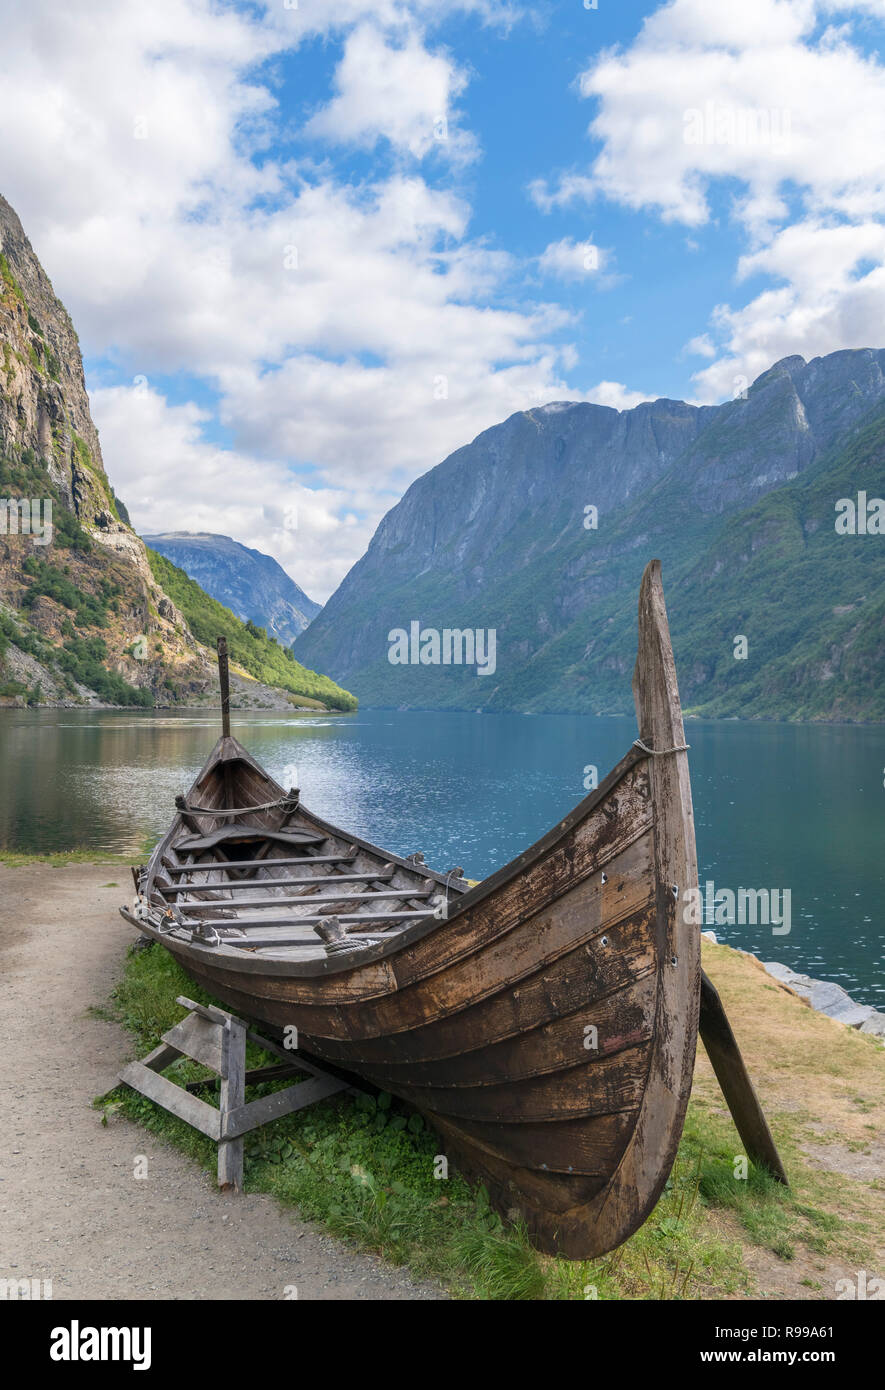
(660, 752)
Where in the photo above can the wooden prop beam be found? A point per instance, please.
(735, 1084)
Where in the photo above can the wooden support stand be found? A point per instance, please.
(735, 1084)
(218, 1040)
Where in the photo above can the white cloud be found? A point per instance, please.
(307, 19)
(701, 346)
(616, 395)
(748, 97)
(834, 297)
(137, 145)
(766, 102)
(572, 260)
(398, 91)
(172, 479)
(349, 417)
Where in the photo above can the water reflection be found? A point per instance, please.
(777, 806)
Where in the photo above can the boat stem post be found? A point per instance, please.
(224, 681)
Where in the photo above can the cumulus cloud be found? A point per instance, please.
(710, 92)
(572, 260)
(345, 327)
(172, 479)
(701, 346)
(399, 92)
(773, 105)
(616, 395)
(834, 297)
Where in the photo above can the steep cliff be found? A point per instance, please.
(82, 616)
(539, 530)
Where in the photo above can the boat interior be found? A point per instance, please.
(266, 876)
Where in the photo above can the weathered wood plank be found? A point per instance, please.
(174, 1098)
(735, 1084)
(282, 862)
(378, 896)
(537, 1044)
(231, 1098)
(610, 1084)
(197, 1038)
(161, 1057)
(588, 1146)
(241, 885)
(260, 1112)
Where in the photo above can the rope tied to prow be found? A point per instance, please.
(660, 752)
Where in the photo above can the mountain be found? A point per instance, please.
(83, 619)
(248, 582)
(738, 501)
(263, 657)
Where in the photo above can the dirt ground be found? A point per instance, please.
(71, 1209)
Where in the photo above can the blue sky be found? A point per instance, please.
(294, 296)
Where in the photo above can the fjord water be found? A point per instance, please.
(777, 806)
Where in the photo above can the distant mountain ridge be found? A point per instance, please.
(738, 501)
(248, 582)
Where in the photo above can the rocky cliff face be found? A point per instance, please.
(82, 618)
(501, 536)
(43, 401)
(246, 581)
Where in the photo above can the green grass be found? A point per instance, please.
(249, 646)
(57, 859)
(364, 1168)
(8, 279)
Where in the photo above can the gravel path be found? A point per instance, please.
(71, 1209)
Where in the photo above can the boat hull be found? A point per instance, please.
(526, 1030)
(546, 1027)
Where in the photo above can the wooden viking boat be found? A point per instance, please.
(544, 1021)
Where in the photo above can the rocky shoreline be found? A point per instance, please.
(823, 995)
(830, 999)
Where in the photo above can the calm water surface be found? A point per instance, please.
(777, 805)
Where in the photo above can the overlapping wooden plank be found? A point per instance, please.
(310, 899)
(242, 885)
(611, 1084)
(537, 1043)
(589, 1146)
(369, 915)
